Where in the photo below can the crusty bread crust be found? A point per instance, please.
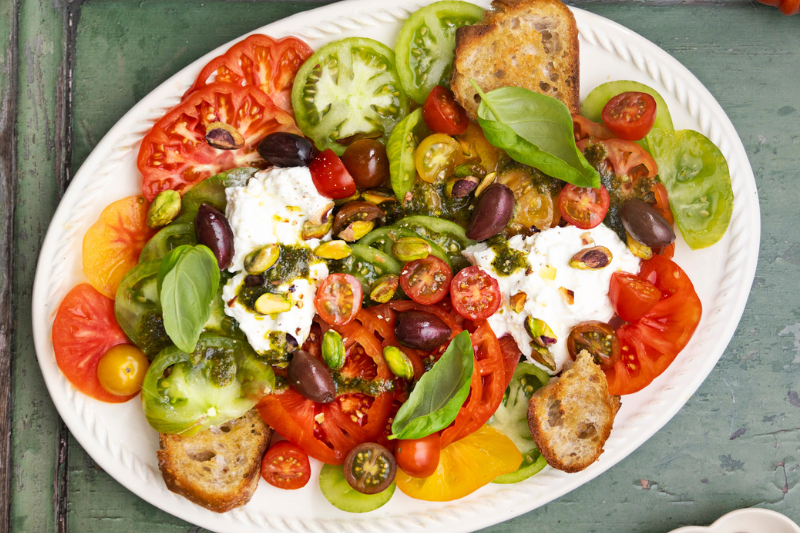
(218, 468)
(521, 43)
(571, 418)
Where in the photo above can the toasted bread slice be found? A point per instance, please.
(217, 468)
(570, 418)
(520, 43)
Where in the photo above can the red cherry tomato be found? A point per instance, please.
(286, 466)
(631, 296)
(330, 176)
(442, 114)
(419, 457)
(338, 299)
(475, 294)
(583, 207)
(630, 115)
(426, 281)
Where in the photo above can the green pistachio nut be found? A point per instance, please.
(398, 362)
(164, 209)
(518, 301)
(411, 248)
(356, 230)
(540, 332)
(542, 355)
(272, 304)
(384, 288)
(223, 136)
(638, 249)
(595, 258)
(333, 350)
(316, 231)
(261, 259)
(333, 250)
(378, 197)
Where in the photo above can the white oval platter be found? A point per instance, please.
(119, 439)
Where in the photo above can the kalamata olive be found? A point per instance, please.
(286, 150)
(356, 211)
(645, 224)
(421, 330)
(367, 163)
(492, 212)
(370, 468)
(213, 230)
(310, 378)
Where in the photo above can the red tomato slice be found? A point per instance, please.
(632, 296)
(583, 207)
(626, 158)
(338, 299)
(630, 115)
(442, 114)
(259, 61)
(426, 281)
(649, 345)
(83, 331)
(511, 355)
(662, 202)
(111, 247)
(286, 466)
(331, 177)
(419, 457)
(475, 294)
(175, 154)
(585, 128)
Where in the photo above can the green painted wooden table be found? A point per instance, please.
(71, 69)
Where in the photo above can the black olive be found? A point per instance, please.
(310, 378)
(645, 224)
(492, 212)
(213, 230)
(286, 150)
(421, 330)
(370, 468)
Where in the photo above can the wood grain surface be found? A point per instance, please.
(70, 70)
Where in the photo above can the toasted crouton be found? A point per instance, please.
(570, 418)
(521, 43)
(217, 468)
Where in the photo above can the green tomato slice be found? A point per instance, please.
(138, 308)
(383, 239)
(426, 45)
(450, 237)
(400, 149)
(337, 490)
(348, 87)
(367, 265)
(167, 239)
(698, 183)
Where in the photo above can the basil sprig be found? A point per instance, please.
(187, 284)
(536, 130)
(439, 394)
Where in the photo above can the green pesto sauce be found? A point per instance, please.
(278, 355)
(154, 336)
(292, 264)
(507, 260)
(430, 200)
(370, 387)
(218, 365)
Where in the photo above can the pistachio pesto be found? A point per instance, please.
(507, 260)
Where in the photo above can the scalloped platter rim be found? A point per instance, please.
(117, 436)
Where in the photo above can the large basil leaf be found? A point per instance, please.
(189, 277)
(535, 130)
(439, 394)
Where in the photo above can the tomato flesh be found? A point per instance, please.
(475, 294)
(286, 466)
(583, 207)
(426, 281)
(419, 457)
(631, 296)
(630, 115)
(331, 177)
(338, 299)
(442, 114)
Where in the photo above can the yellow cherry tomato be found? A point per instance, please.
(477, 149)
(464, 466)
(435, 157)
(121, 370)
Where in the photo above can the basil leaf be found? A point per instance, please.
(189, 277)
(536, 130)
(439, 394)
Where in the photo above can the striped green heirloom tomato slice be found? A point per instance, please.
(348, 87)
(426, 44)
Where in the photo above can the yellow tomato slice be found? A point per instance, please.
(112, 245)
(464, 466)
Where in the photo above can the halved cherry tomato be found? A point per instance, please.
(426, 281)
(259, 61)
(650, 344)
(597, 338)
(112, 245)
(175, 154)
(630, 115)
(331, 177)
(475, 147)
(631, 296)
(419, 457)
(84, 330)
(475, 294)
(442, 114)
(338, 299)
(286, 466)
(585, 128)
(583, 207)
(436, 156)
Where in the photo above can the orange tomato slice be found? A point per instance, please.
(464, 466)
(112, 245)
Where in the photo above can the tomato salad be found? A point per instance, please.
(361, 325)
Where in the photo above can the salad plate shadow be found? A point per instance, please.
(118, 437)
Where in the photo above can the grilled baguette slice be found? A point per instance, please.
(521, 43)
(570, 418)
(217, 468)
